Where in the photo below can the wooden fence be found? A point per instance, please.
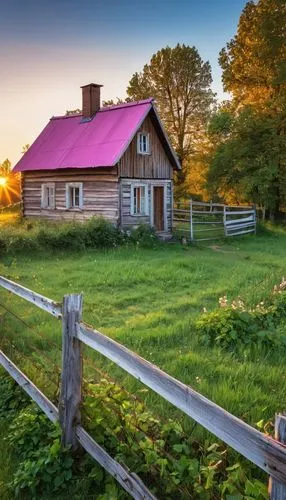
(199, 221)
(267, 453)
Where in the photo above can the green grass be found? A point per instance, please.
(148, 300)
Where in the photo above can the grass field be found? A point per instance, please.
(149, 300)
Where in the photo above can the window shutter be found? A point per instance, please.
(148, 144)
(81, 195)
(138, 142)
(132, 200)
(146, 200)
(43, 196)
(67, 196)
(52, 191)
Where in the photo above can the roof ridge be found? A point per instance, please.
(127, 104)
(61, 117)
(108, 108)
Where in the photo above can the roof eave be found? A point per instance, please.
(172, 151)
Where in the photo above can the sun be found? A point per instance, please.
(3, 181)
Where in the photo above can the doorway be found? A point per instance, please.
(158, 207)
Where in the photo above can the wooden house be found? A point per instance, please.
(116, 162)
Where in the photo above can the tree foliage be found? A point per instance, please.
(250, 135)
(179, 80)
(72, 112)
(254, 61)
(248, 158)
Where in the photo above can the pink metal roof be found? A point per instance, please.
(68, 142)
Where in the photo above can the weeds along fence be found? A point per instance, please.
(268, 453)
(199, 221)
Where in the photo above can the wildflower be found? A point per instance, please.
(279, 288)
(223, 302)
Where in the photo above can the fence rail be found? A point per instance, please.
(267, 453)
(218, 220)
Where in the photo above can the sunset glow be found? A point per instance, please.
(9, 189)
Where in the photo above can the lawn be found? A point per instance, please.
(149, 300)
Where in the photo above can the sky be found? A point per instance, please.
(48, 49)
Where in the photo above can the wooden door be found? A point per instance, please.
(158, 207)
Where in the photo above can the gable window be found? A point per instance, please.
(74, 195)
(139, 200)
(48, 196)
(143, 143)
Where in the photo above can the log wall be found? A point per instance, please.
(127, 220)
(155, 165)
(100, 193)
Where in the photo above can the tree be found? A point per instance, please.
(25, 148)
(5, 167)
(111, 102)
(179, 80)
(71, 112)
(254, 61)
(248, 158)
(252, 155)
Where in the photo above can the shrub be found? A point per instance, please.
(12, 397)
(44, 466)
(100, 233)
(233, 327)
(96, 232)
(144, 236)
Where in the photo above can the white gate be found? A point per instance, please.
(199, 221)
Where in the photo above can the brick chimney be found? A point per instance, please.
(90, 99)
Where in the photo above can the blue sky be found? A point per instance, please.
(49, 48)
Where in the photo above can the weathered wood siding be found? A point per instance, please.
(100, 193)
(127, 220)
(155, 165)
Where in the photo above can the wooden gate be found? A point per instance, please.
(200, 221)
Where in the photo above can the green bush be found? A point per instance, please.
(96, 232)
(12, 397)
(234, 328)
(44, 466)
(144, 236)
(100, 233)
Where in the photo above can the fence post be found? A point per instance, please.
(254, 218)
(277, 490)
(71, 379)
(191, 221)
(224, 220)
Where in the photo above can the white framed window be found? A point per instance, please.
(139, 200)
(74, 195)
(143, 143)
(48, 196)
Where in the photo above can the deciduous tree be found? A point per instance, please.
(179, 80)
(251, 152)
(254, 61)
